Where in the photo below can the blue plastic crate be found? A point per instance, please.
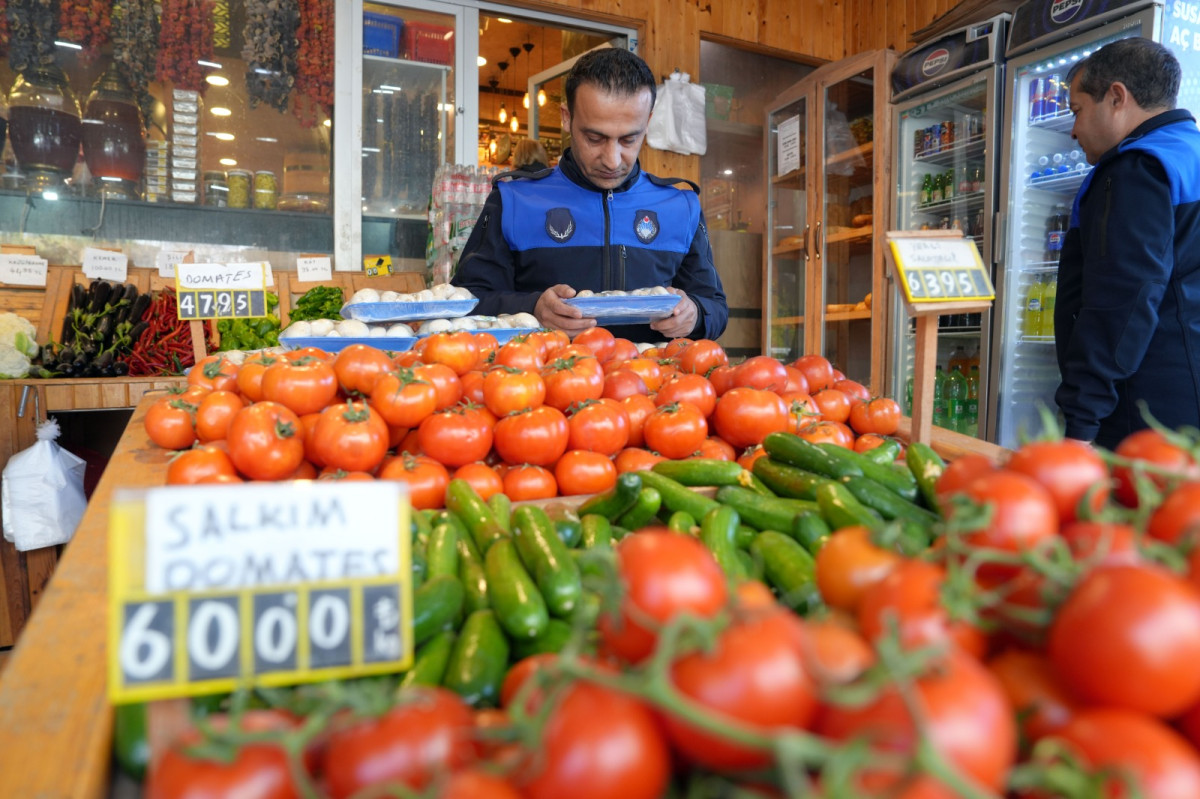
(381, 34)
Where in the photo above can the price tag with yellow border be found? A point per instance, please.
(377, 265)
(217, 587)
(221, 291)
(941, 270)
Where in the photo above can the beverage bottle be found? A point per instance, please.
(1032, 323)
(908, 389)
(955, 390)
(948, 185)
(1056, 231)
(958, 359)
(977, 179)
(1049, 296)
(964, 181)
(927, 189)
(1050, 103)
(935, 194)
(973, 402)
(939, 397)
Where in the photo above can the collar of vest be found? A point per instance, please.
(575, 174)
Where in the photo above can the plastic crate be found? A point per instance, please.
(381, 34)
(433, 44)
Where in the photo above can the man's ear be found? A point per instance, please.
(564, 116)
(1118, 95)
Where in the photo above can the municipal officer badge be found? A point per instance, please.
(645, 225)
(560, 225)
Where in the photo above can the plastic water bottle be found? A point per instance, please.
(973, 402)
(939, 397)
(908, 391)
(955, 389)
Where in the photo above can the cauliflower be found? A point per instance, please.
(18, 345)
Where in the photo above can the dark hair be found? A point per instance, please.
(613, 69)
(1149, 70)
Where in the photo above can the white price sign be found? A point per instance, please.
(22, 270)
(105, 265)
(314, 269)
(166, 261)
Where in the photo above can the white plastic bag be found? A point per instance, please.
(678, 122)
(42, 493)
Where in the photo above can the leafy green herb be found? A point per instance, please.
(319, 302)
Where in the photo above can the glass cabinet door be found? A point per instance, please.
(845, 234)
(788, 230)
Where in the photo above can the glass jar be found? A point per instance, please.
(114, 141)
(266, 191)
(239, 188)
(44, 126)
(216, 190)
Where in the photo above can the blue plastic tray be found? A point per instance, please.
(627, 310)
(338, 343)
(405, 311)
(505, 334)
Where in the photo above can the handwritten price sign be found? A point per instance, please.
(221, 291)
(22, 270)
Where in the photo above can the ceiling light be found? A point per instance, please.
(329, 123)
(69, 46)
(224, 136)
(541, 97)
(217, 80)
(481, 61)
(505, 20)
(211, 64)
(228, 162)
(525, 100)
(514, 124)
(727, 172)
(267, 139)
(220, 111)
(503, 114)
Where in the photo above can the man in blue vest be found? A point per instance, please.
(596, 221)
(1127, 317)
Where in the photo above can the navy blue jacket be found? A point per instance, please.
(556, 227)
(1127, 317)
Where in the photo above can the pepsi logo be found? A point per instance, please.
(1064, 10)
(935, 61)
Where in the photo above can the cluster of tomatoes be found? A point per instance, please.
(536, 417)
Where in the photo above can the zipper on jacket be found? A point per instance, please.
(1104, 219)
(621, 274)
(606, 253)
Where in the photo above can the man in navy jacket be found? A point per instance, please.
(596, 221)
(1127, 318)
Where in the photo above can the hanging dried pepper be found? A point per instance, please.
(135, 47)
(3, 26)
(269, 51)
(186, 38)
(32, 29)
(86, 23)
(314, 62)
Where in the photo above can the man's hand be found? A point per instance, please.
(555, 314)
(682, 320)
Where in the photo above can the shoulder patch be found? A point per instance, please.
(560, 225)
(645, 225)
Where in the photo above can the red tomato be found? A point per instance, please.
(256, 769)
(702, 356)
(834, 653)
(663, 574)
(458, 350)
(521, 672)
(303, 386)
(171, 423)
(472, 386)
(250, 375)
(506, 390)
(636, 459)
(848, 564)
(623, 350)
(598, 427)
(358, 367)
(445, 382)
(827, 432)
(350, 436)
(456, 436)
(869, 441)
(722, 378)
(1069, 470)
(744, 416)
(833, 404)
(1023, 514)
(597, 744)
(802, 411)
(675, 347)
(599, 340)
(519, 354)
(960, 473)
(623, 383)
(1102, 542)
(856, 391)
(909, 596)
(403, 399)
(648, 369)
(1176, 518)
(880, 416)
(1151, 447)
(1162, 763)
(572, 379)
(637, 409)
(199, 465)
(426, 734)
(538, 436)
(473, 784)
(482, 478)
(214, 372)
(266, 441)
(582, 472)
(1129, 636)
(214, 414)
(713, 448)
(691, 388)
(529, 482)
(818, 371)
(1041, 700)
(425, 478)
(746, 459)
(797, 383)
(675, 431)
(762, 372)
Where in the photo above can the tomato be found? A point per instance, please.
(960, 473)
(1129, 636)
(358, 366)
(622, 383)
(303, 386)
(214, 414)
(481, 477)
(833, 404)
(818, 371)
(455, 436)
(474, 784)
(598, 427)
(446, 383)
(457, 350)
(713, 448)
(676, 430)
(427, 733)
(762, 372)
(599, 340)
(746, 459)
(648, 369)
(623, 350)
(549, 341)
(506, 390)
(403, 399)
(266, 441)
(538, 436)
(307, 352)
(686, 387)
(580, 471)
(519, 354)
(834, 653)
(663, 574)
(572, 379)
(880, 416)
(637, 409)
(520, 673)
(341, 474)
(1161, 762)
(425, 478)
(597, 744)
(1069, 470)
(848, 564)
(1150, 447)
(675, 347)
(1023, 515)
(869, 441)
(1177, 518)
(636, 459)
(802, 411)
(198, 465)
(350, 436)
(171, 423)
(702, 356)
(472, 387)
(250, 375)
(910, 597)
(966, 716)
(856, 391)
(744, 416)
(1102, 542)
(1041, 700)
(214, 372)
(753, 675)
(255, 769)
(527, 481)
(797, 383)
(827, 432)
(722, 379)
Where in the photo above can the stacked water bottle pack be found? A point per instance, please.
(459, 192)
(1056, 165)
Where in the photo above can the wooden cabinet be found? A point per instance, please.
(827, 140)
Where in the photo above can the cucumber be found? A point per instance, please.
(750, 565)
(751, 481)
(811, 531)
(619, 532)
(795, 451)
(612, 503)
(595, 531)
(501, 507)
(681, 522)
(441, 551)
(926, 466)
(548, 559)
(717, 530)
(420, 568)
(677, 496)
(566, 525)
(789, 569)
(556, 636)
(901, 482)
(519, 605)
(472, 575)
(130, 744)
(436, 605)
(430, 660)
(744, 536)
(787, 480)
(422, 525)
(765, 513)
(643, 511)
(889, 506)
(841, 509)
(885, 454)
(463, 501)
(701, 472)
(587, 610)
(478, 660)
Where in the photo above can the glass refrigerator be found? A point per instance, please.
(946, 96)
(1042, 172)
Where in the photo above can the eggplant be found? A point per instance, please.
(104, 359)
(104, 328)
(140, 306)
(120, 368)
(128, 295)
(138, 330)
(100, 293)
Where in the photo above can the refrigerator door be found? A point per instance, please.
(1043, 170)
(946, 160)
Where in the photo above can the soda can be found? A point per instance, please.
(919, 142)
(935, 133)
(1037, 98)
(1050, 102)
(1064, 96)
(947, 134)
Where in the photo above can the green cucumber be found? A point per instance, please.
(430, 660)
(811, 530)
(889, 506)
(787, 480)
(519, 605)
(478, 660)
(471, 574)
(441, 551)
(717, 530)
(587, 610)
(681, 522)
(557, 634)
(886, 453)
(548, 559)
(595, 531)
(789, 569)
(901, 482)
(643, 511)
(566, 525)
(501, 507)
(676, 496)
(701, 472)
(795, 451)
(463, 501)
(750, 565)
(619, 532)
(765, 513)
(436, 605)
(926, 466)
(422, 525)
(130, 744)
(420, 568)
(841, 509)
(612, 503)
